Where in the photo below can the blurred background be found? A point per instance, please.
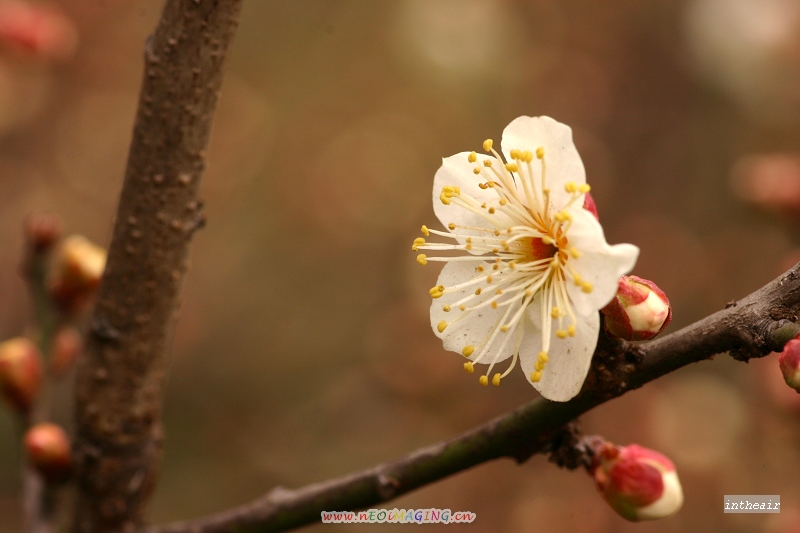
(304, 349)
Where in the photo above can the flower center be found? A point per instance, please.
(542, 250)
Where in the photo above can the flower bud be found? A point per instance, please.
(42, 231)
(67, 345)
(20, 372)
(638, 483)
(589, 205)
(638, 312)
(789, 361)
(76, 272)
(37, 29)
(48, 450)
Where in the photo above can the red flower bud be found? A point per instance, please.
(67, 345)
(48, 449)
(638, 483)
(42, 231)
(20, 372)
(589, 205)
(789, 361)
(37, 29)
(76, 272)
(638, 312)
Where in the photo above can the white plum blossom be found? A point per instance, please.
(537, 267)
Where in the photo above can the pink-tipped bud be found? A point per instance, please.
(20, 372)
(638, 312)
(42, 231)
(638, 483)
(76, 272)
(789, 361)
(67, 345)
(48, 449)
(37, 29)
(589, 205)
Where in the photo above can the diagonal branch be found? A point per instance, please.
(752, 327)
(120, 380)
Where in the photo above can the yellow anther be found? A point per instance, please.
(503, 201)
(425, 230)
(462, 307)
(563, 216)
(483, 380)
(491, 210)
(561, 333)
(490, 184)
(578, 280)
(422, 260)
(511, 167)
(457, 189)
(446, 308)
(441, 326)
(536, 377)
(469, 367)
(540, 152)
(496, 233)
(483, 186)
(445, 200)
(586, 287)
(479, 269)
(437, 295)
(584, 188)
(539, 365)
(476, 171)
(495, 267)
(469, 239)
(448, 189)
(488, 279)
(512, 265)
(438, 288)
(468, 247)
(555, 313)
(472, 157)
(570, 186)
(543, 357)
(451, 226)
(468, 350)
(527, 156)
(419, 240)
(574, 252)
(504, 328)
(499, 291)
(515, 154)
(488, 163)
(571, 330)
(487, 144)
(496, 380)
(477, 291)
(494, 305)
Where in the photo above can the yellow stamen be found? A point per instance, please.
(504, 328)
(483, 380)
(469, 367)
(571, 330)
(539, 366)
(451, 226)
(425, 230)
(536, 377)
(511, 167)
(421, 259)
(555, 313)
(586, 287)
(476, 171)
(494, 305)
(561, 333)
(468, 350)
(584, 188)
(487, 144)
(472, 157)
(441, 326)
(446, 308)
(543, 357)
(540, 152)
(496, 380)
(570, 186)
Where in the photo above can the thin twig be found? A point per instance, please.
(120, 379)
(752, 327)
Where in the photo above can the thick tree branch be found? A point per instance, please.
(752, 327)
(120, 379)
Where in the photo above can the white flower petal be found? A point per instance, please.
(570, 358)
(474, 328)
(457, 171)
(599, 263)
(560, 155)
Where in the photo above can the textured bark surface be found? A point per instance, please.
(121, 378)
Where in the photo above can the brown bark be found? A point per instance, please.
(121, 378)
